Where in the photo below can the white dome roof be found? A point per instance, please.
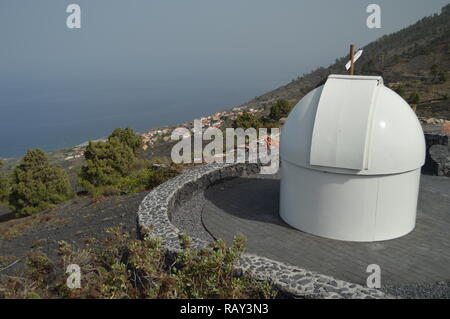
(353, 125)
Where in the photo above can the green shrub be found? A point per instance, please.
(400, 90)
(414, 98)
(106, 164)
(129, 138)
(247, 120)
(37, 185)
(113, 168)
(5, 185)
(434, 71)
(438, 74)
(442, 77)
(160, 175)
(209, 273)
(120, 267)
(280, 109)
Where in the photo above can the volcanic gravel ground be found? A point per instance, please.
(72, 222)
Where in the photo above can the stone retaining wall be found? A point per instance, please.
(154, 216)
(437, 162)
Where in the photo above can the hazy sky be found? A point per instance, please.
(148, 63)
(167, 38)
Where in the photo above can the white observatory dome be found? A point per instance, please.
(351, 153)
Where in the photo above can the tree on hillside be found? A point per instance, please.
(434, 71)
(369, 67)
(446, 9)
(106, 163)
(128, 137)
(113, 167)
(400, 91)
(280, 109)
(414, 98)
(37, 185)
(247, 120)
(442, 77)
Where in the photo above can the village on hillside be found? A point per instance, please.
(162, 134)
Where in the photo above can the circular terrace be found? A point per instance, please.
(224, 200)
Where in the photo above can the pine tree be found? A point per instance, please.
(37, 185)
(280, 109)
(128, 137)
(113, 167)
(106, 164)
(247, 120)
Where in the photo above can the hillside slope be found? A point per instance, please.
(405, 59)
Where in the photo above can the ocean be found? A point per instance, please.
(52, 117)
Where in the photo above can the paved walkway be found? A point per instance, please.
(249, 206)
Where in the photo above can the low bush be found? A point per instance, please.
(124, 268)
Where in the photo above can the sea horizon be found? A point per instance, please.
(31, 117)
(133, 67)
